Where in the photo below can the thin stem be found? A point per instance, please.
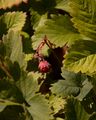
(49, 44)
(5, 69)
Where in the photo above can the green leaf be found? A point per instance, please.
(64, 88)
(39, 13)
(12, 21)
(39, 10)
(57, 103)
(10, 92)
(87, 87)
(28, 84)
(84, 14)
(58, 29)
(37, 19)
(14, 50)
(39, 108)
(9, 3)
(63, 4)
(82, 58)
(12, 113)
(2, 107)
(5, 103)
(93, 117)
(75, 111)
(70, 86)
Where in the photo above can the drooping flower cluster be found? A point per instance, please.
(44, 66)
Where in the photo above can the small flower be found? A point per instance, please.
(44, 66)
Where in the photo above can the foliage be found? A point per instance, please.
(60, 32)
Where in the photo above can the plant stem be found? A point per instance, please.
(5, 69)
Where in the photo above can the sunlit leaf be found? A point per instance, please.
(12, 21)
(82, 58)
(28, 84)
(57, 103)
(63, 5)
(84, 14)
(14, 50)
(9, 3)
(59, 31)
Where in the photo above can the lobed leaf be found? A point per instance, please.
(70, 86)
(9, 3)
(12, 21)
(84, 14)
(59, 31)
(82, 58)
(63, 5)
(14, 50)
(75, 111)
(39, 108)
(28, 84)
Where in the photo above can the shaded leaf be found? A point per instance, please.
(70, 86)
(12, 113)
(9, 91)
(5, 103)
(75, 111)
(2, 49)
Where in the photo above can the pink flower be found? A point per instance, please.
(44, 66)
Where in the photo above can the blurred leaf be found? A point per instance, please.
(14, 50)
(82, 58)
(93, 116)
(9, 3)
(28, 84)
(12, 21)
(12, 113)
(5, 103)
(84, 14)
(56, 103)
(37, 19)
(58, 29)
(9, 91)
(64, 88)
(39, 108)
(42, 6)
(87, 87)
(26, 42)
(2, 49)
(39, 13)
(70, 86)
(63, 5)
(75, 111)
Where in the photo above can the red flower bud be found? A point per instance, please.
(44, 66)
